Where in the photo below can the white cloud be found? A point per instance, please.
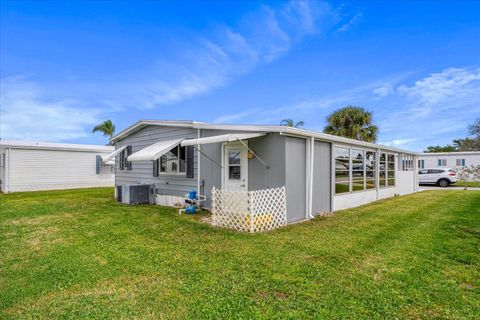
(434, 109)
(302, 110)
(351, 22)
(446, 84)
(398, 142)
(27, 113)
(211, 62)
(384, 90)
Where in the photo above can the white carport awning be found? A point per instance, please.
(154, 151)
(221, 138)
(111, 156)
(109, 162)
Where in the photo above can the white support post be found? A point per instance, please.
(377, 172)
(415, 173)
(307, 178)
(7, 171)
(251, 210)
(312, 160)
(199, 163)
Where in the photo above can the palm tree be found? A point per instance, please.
(352, 122)
(106, 127)
(291, 123)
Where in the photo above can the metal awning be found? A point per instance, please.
(230, 137)
(154, 151)
(111, 156)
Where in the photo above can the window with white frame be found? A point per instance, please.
(387, 170)
(390, 170)
(460, 162)
(442, 162)
(342, 170)
(370, 169)
(405, 162)
(383, 171)
(355, 169)
(358, 169)
(173, 162)
(421, 164)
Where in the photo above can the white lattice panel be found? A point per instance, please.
(253, 211)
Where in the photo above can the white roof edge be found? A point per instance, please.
(113, 154)
(257, 128)
(448, 153)
(141, 123)
(20, 144)
(229, 137)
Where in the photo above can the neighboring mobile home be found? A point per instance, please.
(320, 172)
(30, 166)
(449, 159)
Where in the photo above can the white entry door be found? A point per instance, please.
(235, 174)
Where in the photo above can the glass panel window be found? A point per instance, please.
(370, 161)
(421, 164)
(234, 172)
(383, 170)
(370, 169)
(342, 170)
(382, 182)
(173, 161)
(358, 184)
(370, 183)
(234, 169)
(390, 170)
(460, 162)
(342, 181)
(358, 170)
(234, 157)
(442, 162)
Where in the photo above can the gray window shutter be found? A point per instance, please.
(155, 168)
(122, 158)
(98, 164)
(190, 159)
(129, 163)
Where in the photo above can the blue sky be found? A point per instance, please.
(66, 66)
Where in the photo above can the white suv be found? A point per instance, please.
(440, 176)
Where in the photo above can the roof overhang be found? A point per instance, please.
(154, 151)
(111, 156)
(230, 137)
(39, 145)
(283, 130)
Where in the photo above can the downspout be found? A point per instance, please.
(309, 177)
(332, 177)
(377, 173)
(415, 173)
(312, 160)
(199, 164)
(7, 170)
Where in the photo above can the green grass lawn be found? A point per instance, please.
(475, 184)
(78, 254)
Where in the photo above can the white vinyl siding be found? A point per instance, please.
(31, 169)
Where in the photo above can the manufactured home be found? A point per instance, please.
(449, 159)
(316, 172)
(31, 166)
